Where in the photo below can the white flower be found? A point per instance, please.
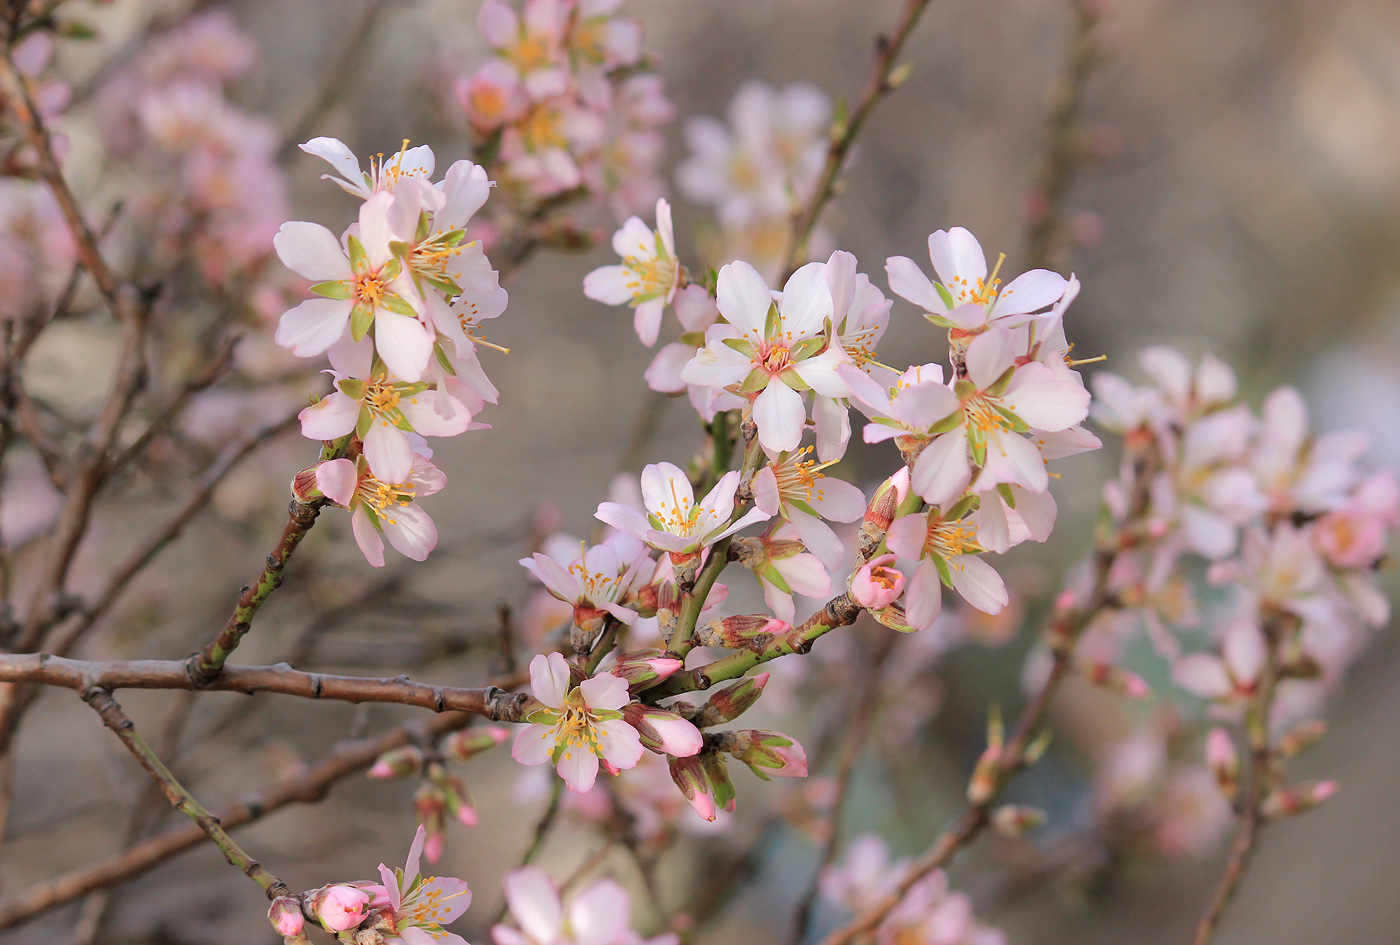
(407, 164)
(649, 274)
(675, 522)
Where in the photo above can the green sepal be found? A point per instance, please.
(390, 270)
(1017, 424)
(442, 359)
(772, 322)
(451, 237)
(758, 771)
(351, 387)
(741, 345)
(977, 440)
(890, 422)
(422, 231)
(358, 258)
(655, 522)
(944, 294)
(605, 715)
(938, 320)
(948, 423)
(960, 508)
(1007, 496)
(697, 338)
(771, 575)
(397, 304)
(1002, 383)
(372, 516)
(756, 381)
(802, 506)
(361, 317)
(399, 248)
(943, 573)
(794, 380)
(363, 422)
(807, 347)
(543, 716)
(399, 420)
(332, 289)
(964, 388)
(444, 285)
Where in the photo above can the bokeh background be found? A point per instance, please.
(1242, 197)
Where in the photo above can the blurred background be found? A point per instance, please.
(1238, 192)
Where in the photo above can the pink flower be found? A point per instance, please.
(532, 44)
(876, 585)
(598, 580)
(379, 507)
(382, 176)
(947, 551)
(578, 725)
(285, 916)
(696, 312)
(648, 277)
(675, 522)
(663, 731)
(341, 907)
(601, 914)
(797, 490)
(416, 911)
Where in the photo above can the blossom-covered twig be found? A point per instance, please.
(492, 702)
(883, 79)
(182, 800)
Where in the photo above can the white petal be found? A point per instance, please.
(403, 343)
(820, 540)
(908, 281)
(410, 531)
(604, 691)
(923, 599)
(579, 768)
(388, 453)
(833, 421)
(978, 583)
(957, 254)
(371, 545)
(780, 416)
(330, 418)
(313, 326)
(601, 914)
(532, 897)
(806, 303)
(549, 679)
(533, 745)
(611, 285)
(1030, 292)
(942, 471)
(620, 744)
(743, 298)
(337, 480)
(989, 355)
(338, 155)
(311, 250)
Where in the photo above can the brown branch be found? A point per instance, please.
(305, 787)
(880, 82)
(491, 701)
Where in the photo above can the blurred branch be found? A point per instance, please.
(1064, 148)
(182, 800)
(884, 78)
(492, 702)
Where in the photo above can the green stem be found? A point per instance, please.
(114, 718)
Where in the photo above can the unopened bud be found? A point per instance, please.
(397, 763)
(304, 485)
(721, 786)
(662, 730)
(1115, 679)
(741, 632)
(465, 744)
(1301, 737)
(1013, 820)
(769, 754)
(645, 668)
(986, 776)
(881, 511)
(1295, 800)
(339, 907)
(1224, 762)
(430, 807)
(455, 796)
(285, 916)
(729, 703)
(876, 585)
(689, 776)
(893, 617)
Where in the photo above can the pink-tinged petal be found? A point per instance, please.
(695, 309)
(464, 190)
(351, 358)
(922, 405)
(611, 285)
(978, 583)
(388, 453)
(312, 251)
(820, 540)
(505, 935)
(956, 253)
(677, 736)
(1202, 674)
(371, 545)
(833, 421)
(743, 298)
(806, 303)
(664, 373)
(415, 853)
(605, 692)
(943, 470)
(410, 530)
(450, 897)
(1012, 459)
(989, 355)
(620, 744)
(765, 491)
(313, 326)
(1245, 651)
(646, 320)
(751, 517)
(716, 365)
(624, 518)
(601, 914)
(1030, 292)
(909, 282)
(534, 744)
(549, 679)
(337, 480)
(820, 372)
(968, 316)
(534, 901)
(334, 152)
(375, 232)
(993, 526)
(1036, 512)
(425, 416)
(403, 343)
(840, 276)
(780, 416)
(869, 394)
(330, 418)
(805, 575)
(1044, 401)
(628, 617)
(560, 580)
(663, 486)
(923, 598)
(389, 892)
(777, 600)
(634, 238)
(415, 935)
(579, 768)
(664, 227)
(907, 535)
(837, 500)
(1069, 442)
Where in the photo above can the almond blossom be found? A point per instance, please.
(580, 725)
(648, 277)
(946, 550)
(674, 521)
(966, 297)
(382, 176)
(378, 507)
(796, 490)
(600, 914)
(696, 312)
(414, 909)
(530, 43)
(598, 580)
(769, 351)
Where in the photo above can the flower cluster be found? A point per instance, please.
(562, 105)
(755, 170)
(599, 914)
(399, 300)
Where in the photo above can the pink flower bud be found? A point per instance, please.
(398, 763)
(717, 773)
(729, 703)
(1296, 800)
(986, 776)
(770, 754)
(1224, 762)
(473, 741)
(645, 668)
(341, 907)
(1301, 737)
(1013, 820)
(285, 916)
(875, 585)
(741, 632)
(1115, 680)
(663, 731)
(690, 777)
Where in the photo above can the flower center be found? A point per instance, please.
(982, 415)
(369, 288)
(383, 497)
(777, 359)
(651, 278)
(541, 129)
(947, 539)
(530, 53)
(381, 396)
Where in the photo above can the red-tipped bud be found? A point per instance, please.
(884, 506)
(663, 731)
(721, 786)
(1301, 737)
(430, 806)
(741, 632)
(645, 668)
(689, 776)
(1013, 820)
(1296, 800)
(454, 795)
(285, 916)
(304, 485)
(769, 754)
(1224, 762)
(986, 776)
(340, 907)
(1115, 679)
(468, 743)
(732, 701)
(876, 585)
(397, 763)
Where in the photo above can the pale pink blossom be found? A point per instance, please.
(600, 914)
(696, 312)
(382, 176)
(390, 509)
(532, 43)
(796, 490)
(598, 579)
(947, 552)
(674, 521)
(341, 907)
(875, 584)
(415, 909)
(649, 274)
